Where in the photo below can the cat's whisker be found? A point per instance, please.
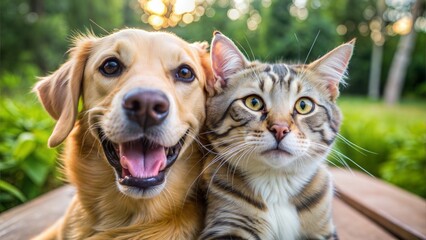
(353, 145)
(356, 164)
(231, 152)
(303, 72)
(298, 46)
(246, 155)
(237, 162)
(199, 143)
(336, 155)
(339, 156)
(312, 46)
(339, 159)
(226, 141)
(222, 162)
(336, 158)
(234, 146)
(240, 46)
(335, 165)
(251, 49)
(344, 157)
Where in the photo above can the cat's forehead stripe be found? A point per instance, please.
(294, 87)
(261, 84)
(299, 88)
(277, 73)
(280, 70)
(269, 83)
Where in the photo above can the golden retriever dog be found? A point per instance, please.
(130, 152)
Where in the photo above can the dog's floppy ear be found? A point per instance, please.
(60, 92)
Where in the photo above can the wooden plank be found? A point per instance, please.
(29, 219)
(399, 211)
(355, 190)
(352, 225)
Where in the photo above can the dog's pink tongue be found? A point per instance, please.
(140, 161)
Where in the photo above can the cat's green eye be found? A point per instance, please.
(304, 105)
(254, 103)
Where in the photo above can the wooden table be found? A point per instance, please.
(364, 208)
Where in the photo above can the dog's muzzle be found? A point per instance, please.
(142, 162)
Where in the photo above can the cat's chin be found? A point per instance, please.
(277, 152)
(278, 158)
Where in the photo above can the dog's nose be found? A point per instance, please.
(146, 107)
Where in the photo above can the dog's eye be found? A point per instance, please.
(111, 67)
(185, 74)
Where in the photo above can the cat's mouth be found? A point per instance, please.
(277, 151)
(140, 163)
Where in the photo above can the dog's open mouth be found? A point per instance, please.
(141, 163)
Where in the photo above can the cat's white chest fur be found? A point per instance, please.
(276, 190)
(283, 220)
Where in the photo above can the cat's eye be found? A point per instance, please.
(185, 74)
(254, 103)
(111, 67)
(304, 105)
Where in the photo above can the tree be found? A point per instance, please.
(377, 53)
(401, 60)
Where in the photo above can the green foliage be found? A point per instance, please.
(27, 166)
(9, 188)
(287, 38)
(83, 14)
(407, 164)
(395, 137)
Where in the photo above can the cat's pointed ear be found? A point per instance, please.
(332, 68)
(226, 59)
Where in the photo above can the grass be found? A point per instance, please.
(394, 137)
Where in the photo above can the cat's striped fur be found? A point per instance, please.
(267, 178)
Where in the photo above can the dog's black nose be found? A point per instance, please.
(146, 107)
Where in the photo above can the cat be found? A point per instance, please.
(271, 127)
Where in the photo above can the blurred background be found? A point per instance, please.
(384, 104)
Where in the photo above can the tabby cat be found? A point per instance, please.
(271, 127)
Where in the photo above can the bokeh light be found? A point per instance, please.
(403, 25)
(341, 29)
(233, 14)
(169, 13)
(298, 10)
(156, 7)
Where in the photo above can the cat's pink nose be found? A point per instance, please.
(279, 131)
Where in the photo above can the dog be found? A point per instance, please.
(130, 149)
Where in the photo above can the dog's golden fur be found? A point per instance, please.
(100, 210)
